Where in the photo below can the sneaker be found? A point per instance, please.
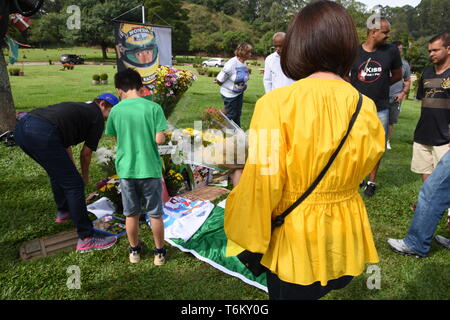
(135, 255)
(443, 241)
(160, 256)
(62, 217)
(369, 189)
(388, 145)
(95, 243)
(399, 246)
(413, 207)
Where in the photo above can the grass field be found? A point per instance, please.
(27, 212)
(53, 54)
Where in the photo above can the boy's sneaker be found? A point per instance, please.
(95, 243)
(399, 246)
(443, 241)
(135, 255)
(160, 256)
(62, 216)
(369, 189)
(388, 145)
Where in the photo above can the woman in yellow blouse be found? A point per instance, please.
(327, 239)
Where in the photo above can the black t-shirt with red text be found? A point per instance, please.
(371, 73)
(434, 91)
(77, 121)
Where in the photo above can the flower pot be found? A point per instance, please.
(172, 193)
(95, 82)
(104, 81)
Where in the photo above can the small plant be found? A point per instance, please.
(14, 71)
(104, 78)
(202, 70)
(68, 66)
(95, 79)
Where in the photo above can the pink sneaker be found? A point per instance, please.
(95, 243)
(62, 217)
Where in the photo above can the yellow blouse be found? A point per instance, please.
(329, 234)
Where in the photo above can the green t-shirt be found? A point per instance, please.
(135, 123)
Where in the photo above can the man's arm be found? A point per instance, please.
(160, 137)
(85, 162)
(396, 76)
(267, 80)
(70, 153)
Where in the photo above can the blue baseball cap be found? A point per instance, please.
(109, 97)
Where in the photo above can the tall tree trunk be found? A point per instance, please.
(7, 110)
(104, 52)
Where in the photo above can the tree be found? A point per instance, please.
(173, 14)
(97, 21)
(7, 110)
(48, 29)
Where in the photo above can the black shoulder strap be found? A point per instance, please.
(280, 219)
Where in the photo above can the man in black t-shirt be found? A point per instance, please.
(47, 135)
(432, 137)
(377, 66)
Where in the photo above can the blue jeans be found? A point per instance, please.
(383, 115)
(434, 198)
(233, 107)
(41, 140)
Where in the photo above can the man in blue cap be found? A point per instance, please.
(47, 136)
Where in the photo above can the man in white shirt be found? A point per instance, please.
(273, 75)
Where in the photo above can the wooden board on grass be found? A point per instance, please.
(205, 193)
(43, 247)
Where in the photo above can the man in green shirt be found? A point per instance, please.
(138, 126)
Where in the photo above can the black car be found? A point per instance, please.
(71, 58)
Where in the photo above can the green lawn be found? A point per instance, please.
(53, 54)
(27, 212)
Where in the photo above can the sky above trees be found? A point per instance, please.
(396, 3)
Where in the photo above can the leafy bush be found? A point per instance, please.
(104, 76)
(202, 70)
(96, 77)
(212, 73)
(14, 71)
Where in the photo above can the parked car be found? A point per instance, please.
(71, 58)
(214, 62)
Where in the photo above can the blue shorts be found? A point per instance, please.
(383, 115)
(142, 196)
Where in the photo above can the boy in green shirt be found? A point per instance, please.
(138, 126)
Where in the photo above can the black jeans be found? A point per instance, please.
(233, 107)
(41, 140)
(280, 290)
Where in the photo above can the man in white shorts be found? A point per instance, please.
(432, 136)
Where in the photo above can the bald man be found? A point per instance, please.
(273, 75)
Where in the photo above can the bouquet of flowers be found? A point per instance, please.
(110, 188)
(106, 158)
(222, 146)
(169, 87)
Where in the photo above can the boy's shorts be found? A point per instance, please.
(142, 196)
(394, 112)
(425, 158)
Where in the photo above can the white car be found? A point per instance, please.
(214, 62)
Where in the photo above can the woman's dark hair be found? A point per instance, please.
(322, 37)
(128, 79)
